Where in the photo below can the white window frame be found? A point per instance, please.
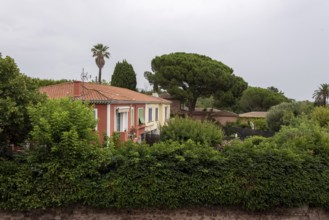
(123, 121)
(132, 116)
(166, 113)
(96, 117)
(156, 112)
(138, 116)
(150, 114)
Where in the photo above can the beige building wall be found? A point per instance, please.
(163, 115)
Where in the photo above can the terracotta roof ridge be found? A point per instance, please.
(126, 89)
(161, 99)
(95, 90)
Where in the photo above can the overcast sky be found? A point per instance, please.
(281, 43)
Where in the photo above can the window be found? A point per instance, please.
(96, 117)
(141, 116)
(121, 121)
(150, 114)
(118, 121)
(132, 116)
(166, 113)
(156, 114)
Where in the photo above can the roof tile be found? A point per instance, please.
(97, 92)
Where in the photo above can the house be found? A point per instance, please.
(222, 117)
(252, 115)
(176, 105)
(116, 109)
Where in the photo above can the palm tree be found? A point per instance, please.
(100, 51)
(321, 95)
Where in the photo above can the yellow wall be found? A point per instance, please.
(152, 125)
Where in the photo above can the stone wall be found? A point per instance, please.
(217, 213)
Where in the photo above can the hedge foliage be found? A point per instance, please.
(288, 170)
(183, 129)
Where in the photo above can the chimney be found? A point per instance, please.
(77, 88)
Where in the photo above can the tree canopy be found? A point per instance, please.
(100, 52)
(284, 113)
(124, 76)
(188, 76)
(321, 95)
(230, 100)
(260, 99)
(46, 82)
(17, 93)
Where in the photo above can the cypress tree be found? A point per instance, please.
(124, 76)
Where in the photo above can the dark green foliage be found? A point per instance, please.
(259, 99)
(284, 113)
(124, 76)
(46, 82)
(274, 89)
(321, 95)
(166, 175)
(205, 102)
(189, 76)
(17, 92)
(258, 174)
(230, 100)
(288, 170)
(48, 178)
(183, 129)
(63, 161)
(260, 124)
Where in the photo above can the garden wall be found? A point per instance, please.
(83, 213)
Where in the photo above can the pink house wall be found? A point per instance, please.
(139, 129)
(102, 120)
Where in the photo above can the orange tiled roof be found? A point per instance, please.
(97, 93)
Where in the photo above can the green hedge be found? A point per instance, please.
(183, 129)
(288, 170)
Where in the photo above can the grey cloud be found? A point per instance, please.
(279, 43)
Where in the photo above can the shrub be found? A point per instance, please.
(63, 163)
(284, 113)
(260, 124)
(52, 119)
(183, 129)
(321, 115)
(288, 170)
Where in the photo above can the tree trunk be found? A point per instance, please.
(191, 106)
(100, 76)
(324, 100)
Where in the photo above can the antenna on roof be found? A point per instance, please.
(84, 77)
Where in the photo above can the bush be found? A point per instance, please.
(52, 119)
(63, 163)
(321, 115)
(288, 170)
(258, 174)
(183, 129)
(284, 113)
(260, 124)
